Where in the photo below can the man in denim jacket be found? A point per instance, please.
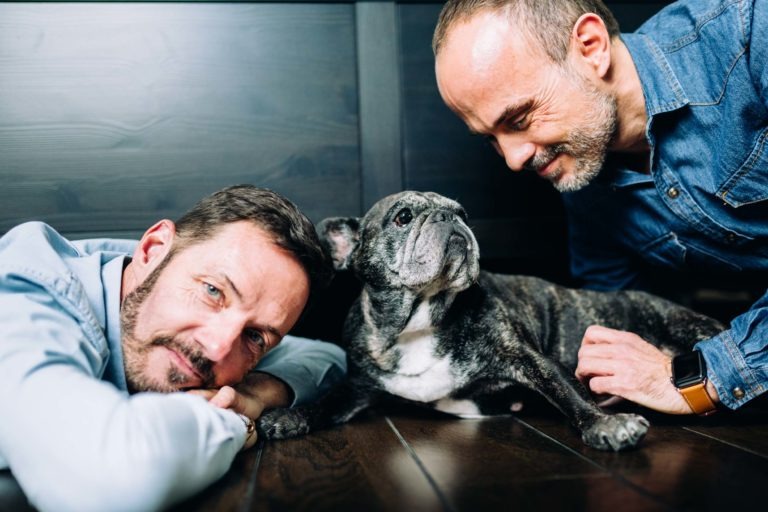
(656, 138)
(97, 338)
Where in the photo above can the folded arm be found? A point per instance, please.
(75, 442)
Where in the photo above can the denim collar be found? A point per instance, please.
(661, 88)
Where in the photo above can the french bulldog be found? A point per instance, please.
(431, 327)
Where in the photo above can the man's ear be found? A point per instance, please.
(592, 42)
(153, 247)
(339, 236)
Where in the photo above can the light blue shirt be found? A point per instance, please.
(703, 67)
(69, 431)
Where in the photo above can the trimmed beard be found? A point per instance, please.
(587, 144)
(135, 350)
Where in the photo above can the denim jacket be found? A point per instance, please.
(70, 432)
(703, 65)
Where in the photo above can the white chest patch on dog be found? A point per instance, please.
(421, 375)
(461, 408)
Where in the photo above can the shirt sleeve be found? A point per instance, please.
(309, 367)
(758, 48)
(737, 359)
(77, 443)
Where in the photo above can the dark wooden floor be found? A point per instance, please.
(404, 459)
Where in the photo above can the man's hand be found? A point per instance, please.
(623, 364)
(257, 392)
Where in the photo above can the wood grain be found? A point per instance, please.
(361, 466)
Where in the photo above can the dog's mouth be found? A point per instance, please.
(458, 252)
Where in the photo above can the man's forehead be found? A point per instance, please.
(487, 68)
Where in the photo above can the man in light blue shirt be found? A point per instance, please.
(99, 339)
(658, 140)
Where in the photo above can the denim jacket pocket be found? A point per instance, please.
(666, 251)
(749, 184)
(671, 251)
(702, 259)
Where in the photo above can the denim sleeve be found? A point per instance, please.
(75, 442)
(737, 359)
(310, 367)
(758, 47)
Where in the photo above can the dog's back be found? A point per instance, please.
(555, 317)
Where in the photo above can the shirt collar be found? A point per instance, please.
(661, 88)
(112, 277)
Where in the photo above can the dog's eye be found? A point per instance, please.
(403, 217)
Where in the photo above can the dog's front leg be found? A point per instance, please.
(559, 386)
(340, 405)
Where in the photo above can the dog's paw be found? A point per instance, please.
(616, 432)
(282, 424)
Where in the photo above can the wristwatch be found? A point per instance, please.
(689, 375)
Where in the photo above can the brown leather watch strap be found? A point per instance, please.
(698, 399)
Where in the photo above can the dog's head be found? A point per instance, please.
(414, 240)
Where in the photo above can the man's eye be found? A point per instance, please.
(212, 291)
(255, 337)
(517, 124)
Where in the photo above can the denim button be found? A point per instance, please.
(673, 193)
(737, 393)
(730, 237)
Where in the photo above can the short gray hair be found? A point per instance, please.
(549, 22)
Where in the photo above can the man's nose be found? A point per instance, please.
(516, 153)
(219, 338)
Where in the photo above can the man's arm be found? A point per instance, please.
(310, 368)
(75, 442)
(758, 48)
(620, 363)
(623, 364)
(297, 371)
(737, 359)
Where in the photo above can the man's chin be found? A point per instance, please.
(571, 182)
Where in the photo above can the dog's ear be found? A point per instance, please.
(339, 236)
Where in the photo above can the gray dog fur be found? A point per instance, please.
(431, 327)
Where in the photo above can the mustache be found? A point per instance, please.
(539, 160)
(201, 364)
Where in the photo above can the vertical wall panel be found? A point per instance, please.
(379, 85)
(112, 115)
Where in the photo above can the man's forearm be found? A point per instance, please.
(268, 389)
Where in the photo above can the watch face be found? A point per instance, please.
(688, 369)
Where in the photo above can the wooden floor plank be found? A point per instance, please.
(360, 466)
(746, 428)
(678, 466)
(408, 459)
(498, 464)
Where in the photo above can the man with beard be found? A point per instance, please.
(93, 331)
(657, 139)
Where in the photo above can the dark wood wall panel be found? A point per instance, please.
(113, 115)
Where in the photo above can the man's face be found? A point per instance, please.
(538, 115)
(205, 316)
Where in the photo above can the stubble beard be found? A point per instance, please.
(136, 350)
(588, 144)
